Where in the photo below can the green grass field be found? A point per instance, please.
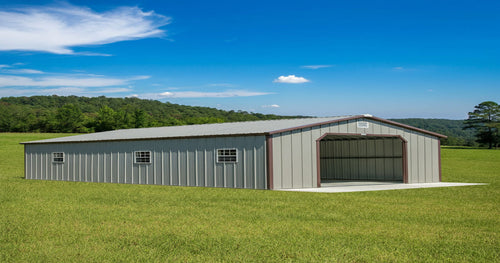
(50, 221)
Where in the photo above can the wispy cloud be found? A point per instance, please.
(291, 79)
(223, 94)
(64, 81)
(227, 85)
(317, 66)
(58, 29)
(61, 91)
(23, 71)
(271, 106)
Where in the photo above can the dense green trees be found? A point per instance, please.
(454, 129)
(82, 114)
(69, 119)
(485, 121)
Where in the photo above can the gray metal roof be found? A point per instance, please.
(217, 129)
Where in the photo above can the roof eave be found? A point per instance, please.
(148, 139)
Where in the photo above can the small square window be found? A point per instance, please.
(363, 124)
(227, 155)
(58, 157)
(142, 157)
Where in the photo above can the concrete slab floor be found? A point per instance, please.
(361, 186)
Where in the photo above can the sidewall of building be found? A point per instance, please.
(182, 162)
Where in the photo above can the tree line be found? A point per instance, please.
(74, 114)
(454, 129)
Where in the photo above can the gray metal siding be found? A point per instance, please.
(294, 155)
(184, 162)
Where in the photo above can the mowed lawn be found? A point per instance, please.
(51, 221)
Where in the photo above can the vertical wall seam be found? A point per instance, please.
(187, 169)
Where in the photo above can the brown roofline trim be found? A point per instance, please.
(361, 117)
(317, 124)
(149, 139)
(407, 127)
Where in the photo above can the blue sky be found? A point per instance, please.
(392, 59)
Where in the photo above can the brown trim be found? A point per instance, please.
(318, 163)
(361, 117)
(439, 159)
(269, 159)
(403, 140)
(362, 135)
(317, 124)
(407, 127)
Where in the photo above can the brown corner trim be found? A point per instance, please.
(269, 159)
(439, 159)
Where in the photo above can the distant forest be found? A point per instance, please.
(457, 136)
(84, 115)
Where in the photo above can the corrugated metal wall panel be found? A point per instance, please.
(422, 155)
(435, 160)
(187, 162)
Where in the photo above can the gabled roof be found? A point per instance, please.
(217, 129)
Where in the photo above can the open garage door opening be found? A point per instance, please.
(351, 157)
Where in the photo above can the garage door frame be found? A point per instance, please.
(404, 150)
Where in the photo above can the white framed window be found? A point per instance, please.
(227, 155)
(142, 157)
(58, 157)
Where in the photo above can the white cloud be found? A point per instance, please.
(291, 79)
(398, 68)
(58, 29)
(227, 85)
(271, 106)
(64, 81)
(317, 66)
(4, 66)
(23, 71)
(61, 91)
(223, 94)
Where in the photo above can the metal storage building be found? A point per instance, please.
(275, 154)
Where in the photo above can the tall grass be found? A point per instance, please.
(51, 221)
